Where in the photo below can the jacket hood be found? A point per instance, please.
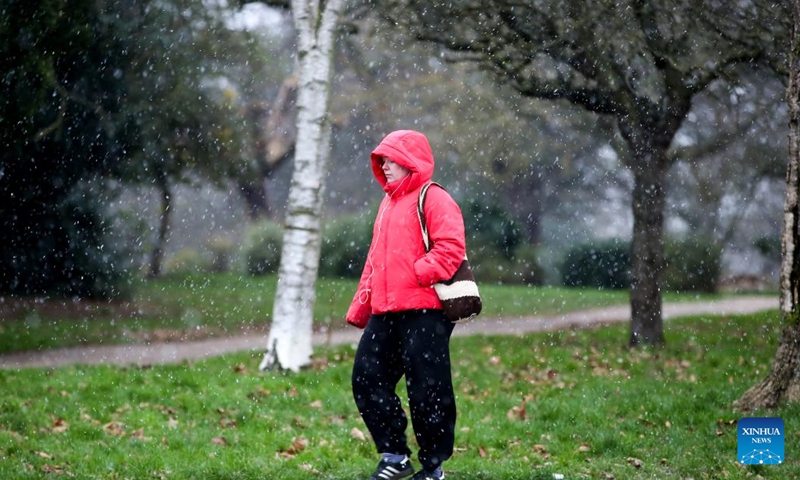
(409, 149)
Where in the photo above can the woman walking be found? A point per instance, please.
(406, 333)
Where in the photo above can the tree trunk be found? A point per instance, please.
(274, 138)
(289, 344)
(526, 201)
(157, 256)
(781, 384)
(783, 381)
(254, 192)
(280, 132)
(647, 257)
(253, 187)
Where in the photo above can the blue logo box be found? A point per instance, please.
(760, 441)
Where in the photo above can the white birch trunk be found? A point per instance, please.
(289, 344)
(782, 384)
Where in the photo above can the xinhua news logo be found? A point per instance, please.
(760, 441)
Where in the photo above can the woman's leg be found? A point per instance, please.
(377, 369)
(426, 357)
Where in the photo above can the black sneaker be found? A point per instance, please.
(423, 475)
(392, 470)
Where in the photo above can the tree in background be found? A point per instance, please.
(639, 62)
(289, 342)
(729, 160)
(135, 91)
(181, 111)
(59, 102)
(266, 89)
(783, 382)
(274, 134)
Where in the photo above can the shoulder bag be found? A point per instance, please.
(460, 298)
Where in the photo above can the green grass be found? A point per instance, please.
(200, 306)
(574, 402)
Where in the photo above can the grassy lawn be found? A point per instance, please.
(576, 403)
(203, 306)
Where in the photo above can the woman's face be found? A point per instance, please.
(393, 171)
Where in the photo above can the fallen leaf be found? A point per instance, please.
(316, 404)
(336, 420)
(56, 469)
(319, 364)
(584, 448)
(541, 450)
(297, 446)
(114, 428)
(518, 412)
(357, 434)
(727, 423)
(635, 462)
(299, 422)
(259, 393)
(138, 433)
(166, 410)
(240, 368)
(227, 423)
(219, 441)
(59, 426)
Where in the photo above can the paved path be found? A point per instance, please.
(157, 353)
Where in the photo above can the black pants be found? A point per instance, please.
(415, 344)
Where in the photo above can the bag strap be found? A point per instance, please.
(423, 224)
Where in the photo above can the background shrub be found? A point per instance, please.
(67, 247)
(492, 266)
(526, 269)
(345, 245)
(262, 247)
(490, 228)
(221, 251)
(692, 265)
(186, 261)
(605, 265)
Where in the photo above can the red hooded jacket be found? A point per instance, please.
(398, 274)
